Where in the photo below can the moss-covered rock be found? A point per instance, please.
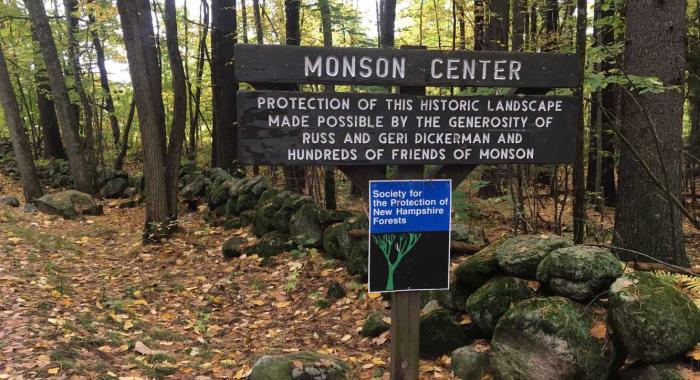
(114, 188)
(194, 186)
(262, 222)
(271, 244)
(653, 320)
(520, 256)
(266, 197)
(579, 272)
(440, 334)
(374, 325)
(642, 371)
(338, 243)
(327, 217)
(479, 268)
(233, 246)
(69, 204)
(304, 222)
(454, 298)
(300, 366)
(548, 338)
(471, 362)
(488, 304)
(335, 238)
(219, 193)
(247, 217)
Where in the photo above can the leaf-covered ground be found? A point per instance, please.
(84, 299)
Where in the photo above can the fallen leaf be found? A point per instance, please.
(695, 352)
(599, 330)
(346, 338)
(53, 371)
(143, 349)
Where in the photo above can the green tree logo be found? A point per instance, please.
(387, 243)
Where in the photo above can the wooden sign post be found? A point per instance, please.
(362, 132)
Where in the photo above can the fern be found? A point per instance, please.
(690, 285)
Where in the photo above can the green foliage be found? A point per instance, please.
(690, 285)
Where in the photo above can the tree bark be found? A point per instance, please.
(141, 51)
(519, 17)
(224, 85)
(645, 219)
(244, 20)
(104, 80)
(294, 176)
(497, 31)
(579, 207)
(68, 120)
(18, 136)
(124, 146)
(479, 13)
(177, 127)
(603, 116)
(258, 22)
(329, 172)
(71, 7)
(388, 19)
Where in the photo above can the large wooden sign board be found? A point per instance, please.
(277, 127)
(361, 131)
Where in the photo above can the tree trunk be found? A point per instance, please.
(329, 172)
(294, 176)
(603, 117)
(177, 128)
(645, 219)
(104, 81)
(579, 209)
(199, 71)
(551, 24)
(258, 22)
(71, 7)
(244, 20)
(519, 17)
(68, 120)
(53, 147)
(388, 18)
(141, 51)
(497, 31)
(223, 82)
(124, 146)
(18, 136)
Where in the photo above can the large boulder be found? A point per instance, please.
(454, 298)
(653, 319)
(476, 270)
(9, 201)
(304, 224)
(338, 243)
(471, 362)
(374, 325)
(440, 334)
(114, 188)
(194, 186)
(262, 222)
(548, 338)
(579, 272)
(69, 204)
(488, 304)
(233, 246)
(300, 366)
(520, 256)
(271, 244)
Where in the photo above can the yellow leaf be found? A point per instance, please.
(534, 285)
(140, 302)
(374, 295)
(242, 373)
(465, 320)
(55, 293)
(53, 371)
(258, 302)
(368, 366)
(282, 304)
(137, 293)
(599, 330)
(378, 361)
(345, 338)
(128, 324)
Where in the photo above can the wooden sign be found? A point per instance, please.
(277, 127)
(363, 66)
(409, 235)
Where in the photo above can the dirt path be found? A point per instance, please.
(84, 300)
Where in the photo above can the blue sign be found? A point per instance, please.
(409, 227)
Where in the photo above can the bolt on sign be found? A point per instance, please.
(353, 128)
(409, 235)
